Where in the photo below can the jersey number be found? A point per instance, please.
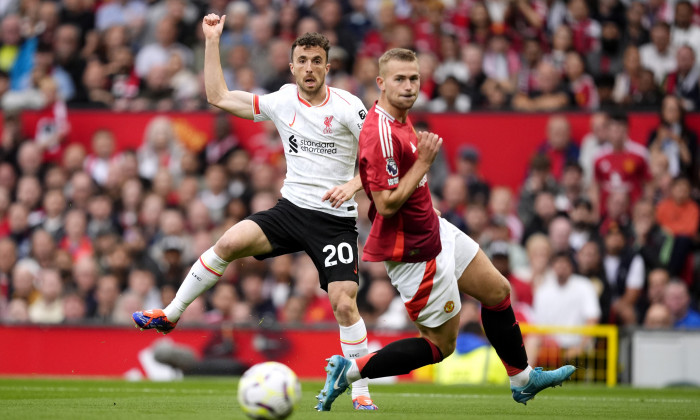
(344, 254)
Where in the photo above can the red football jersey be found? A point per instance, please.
(626, 170)
(387, 152)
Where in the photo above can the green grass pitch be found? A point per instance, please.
(56, 399)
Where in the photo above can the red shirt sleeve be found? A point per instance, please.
(381, 161)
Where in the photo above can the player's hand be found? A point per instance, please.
(339, 194)
(428, 146)
(212, 26)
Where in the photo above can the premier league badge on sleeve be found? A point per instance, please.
(391, 167)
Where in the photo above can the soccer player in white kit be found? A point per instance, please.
(320, 127)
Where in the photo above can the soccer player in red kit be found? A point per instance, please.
(428, 259)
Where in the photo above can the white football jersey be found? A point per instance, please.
(320, 143)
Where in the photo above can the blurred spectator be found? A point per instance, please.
(18, 228)
(658, 316)
(564, 299)
(224, 141)
(499, 252)
(685, 81)
(659, 55)
(558, 145)
(539, 179)
(625, 271)
(544, 212)
(223, 300)
(559, 234)
(586, 31)
(158, 53)
(501, 63)
(657, 280)
(608, 60)
(679, 215)
(7, 262)
(467, 167)
(48, 307)
(17, 311)
(627, 81)
(685, 29)
(677, 300)
(450, 98)
(550, 95)
(160, 148)
(74, 309)
(43, 248)
(25, 275)
(387, 310)
(561, 45)
(532, 56)
(97, 163)
(539, 252)
(649, 237)
(592, 143)
(621, 165)
(675, 139)
(126, 304)
(262, 310)
(501, 206)
(589, 264)
(636, 33)
(473, 58)
(581, 84)
(454, 201)
(76, 241)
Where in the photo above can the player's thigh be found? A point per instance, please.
(444, 336)
(483, 281)
(332, 246)
(243, 239)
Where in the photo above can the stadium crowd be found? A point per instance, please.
(602, 225)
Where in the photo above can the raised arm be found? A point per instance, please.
(388, 202)
(237, 102)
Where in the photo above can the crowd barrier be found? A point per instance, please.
(506, 141)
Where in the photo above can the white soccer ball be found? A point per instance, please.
(269, 390)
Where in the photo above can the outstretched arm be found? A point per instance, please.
(237, 102)
(388, 202)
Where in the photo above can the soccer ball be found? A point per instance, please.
(269, 390)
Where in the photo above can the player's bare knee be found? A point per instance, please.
(447, 347)
(344, 309)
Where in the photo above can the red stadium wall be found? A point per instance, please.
(117, 351)
(506, 140)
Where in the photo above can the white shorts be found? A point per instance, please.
(429, 289)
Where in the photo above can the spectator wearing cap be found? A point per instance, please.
(467, 166)
(172, 261)
(563, 299)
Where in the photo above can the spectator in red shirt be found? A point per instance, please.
(621, 165)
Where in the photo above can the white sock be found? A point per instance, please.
(353, 341)
(521, 379)
(205, 272)
(353, 374)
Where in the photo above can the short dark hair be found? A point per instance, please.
(619, 116)
(311, 39)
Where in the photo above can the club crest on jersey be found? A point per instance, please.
(327, 122)
(391, 167)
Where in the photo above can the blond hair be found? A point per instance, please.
(398, 54)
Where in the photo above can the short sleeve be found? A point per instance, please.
(589, 298)
(357, 116)
(263, 106)
(380, 163)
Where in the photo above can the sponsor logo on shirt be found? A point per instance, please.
(362, 114)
